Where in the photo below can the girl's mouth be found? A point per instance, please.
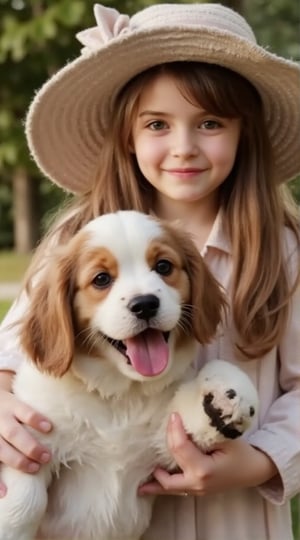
(185, 172)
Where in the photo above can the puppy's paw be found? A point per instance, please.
(226, 413)
(229, 399)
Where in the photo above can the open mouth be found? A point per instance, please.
(147, 352)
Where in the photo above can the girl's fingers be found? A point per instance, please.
(26, 415)
(151, 488)
(188, 457)
(172, 483)
(186, 454)
(23, 413)
(18, 447)
(154, 488)
(17, 444)
(15, 459)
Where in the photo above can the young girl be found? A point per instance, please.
(177, 111)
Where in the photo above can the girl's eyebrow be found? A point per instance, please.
(164, 113)
(154, 113)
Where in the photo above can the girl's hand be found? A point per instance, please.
(18, 448)
(234, 464)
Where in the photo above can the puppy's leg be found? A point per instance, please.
(219, 404)
(22, 508)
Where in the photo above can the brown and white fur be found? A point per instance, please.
(110, 333)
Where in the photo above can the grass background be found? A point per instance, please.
(4, 306)
(13, 265)
(12, 268)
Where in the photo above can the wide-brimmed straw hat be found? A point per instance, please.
(67, 118)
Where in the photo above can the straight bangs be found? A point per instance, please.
(218, 90)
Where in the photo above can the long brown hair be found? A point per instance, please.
(255, 207)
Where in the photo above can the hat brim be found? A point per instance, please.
(65, 121)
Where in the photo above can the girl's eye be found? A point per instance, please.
(164, 267)
(210, 124)
(102, 280)
(157, 125)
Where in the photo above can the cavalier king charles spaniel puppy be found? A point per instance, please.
(110, 334)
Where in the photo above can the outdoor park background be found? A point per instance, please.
(36, 38)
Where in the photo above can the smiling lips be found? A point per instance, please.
(185, 172)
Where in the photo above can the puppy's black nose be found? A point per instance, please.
(144, 306)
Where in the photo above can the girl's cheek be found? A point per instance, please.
(150, 151)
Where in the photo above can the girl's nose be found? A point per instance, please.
(185, 144)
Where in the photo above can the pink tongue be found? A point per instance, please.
(148, 352)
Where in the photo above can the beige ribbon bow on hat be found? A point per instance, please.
(110, 24)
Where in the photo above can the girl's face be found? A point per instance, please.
(183, 151)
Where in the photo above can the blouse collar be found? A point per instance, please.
(217, 237)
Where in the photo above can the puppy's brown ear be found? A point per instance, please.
(208, 304)
(46, 329)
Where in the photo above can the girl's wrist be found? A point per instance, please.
(264, 468)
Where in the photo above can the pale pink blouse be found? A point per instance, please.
(261, 513)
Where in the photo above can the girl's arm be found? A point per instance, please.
(18, 448)
(203, 474)
(279, 436)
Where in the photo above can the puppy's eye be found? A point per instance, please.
(164, 267)
(102, 280)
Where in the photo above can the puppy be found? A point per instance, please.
(110, 333)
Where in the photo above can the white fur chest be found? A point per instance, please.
(102, 451)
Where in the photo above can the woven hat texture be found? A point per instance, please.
(68, 115)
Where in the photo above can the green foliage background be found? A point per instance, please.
(37, 37)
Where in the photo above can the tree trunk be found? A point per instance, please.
(26, 211)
